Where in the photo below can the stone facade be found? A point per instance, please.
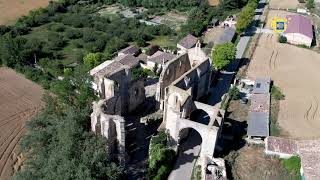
(119, 96)
(191, 69)
(182, 82)
(178, 108)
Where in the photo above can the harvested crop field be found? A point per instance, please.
(296, 72)
(12, 9)
(20, 99)
(284, 4)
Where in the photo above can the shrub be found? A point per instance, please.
(161, 157)
(55, 42)
(234, 93)
(77, 43)
(73, 34)
(92, 59)
(276, 93)
(95, 46)
(57, 27)
(4, 29)
(292, 164)
(310, 4)
(303, 46)
(282, 39)
(140, 73)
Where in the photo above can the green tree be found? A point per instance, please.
(92, 59)
(12, 50)
(222, 55)
(246, 15)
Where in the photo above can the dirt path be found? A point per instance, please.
(20, 99)
(12, 9)
(296, 72)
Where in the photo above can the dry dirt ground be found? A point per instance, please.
(296, 72)
(238, 111)
(20, 99)
(252, 164)
(276, 13)
(213, 2)
(213, 34)
(12, 9)
(284, 4)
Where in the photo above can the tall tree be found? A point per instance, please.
(222, 55)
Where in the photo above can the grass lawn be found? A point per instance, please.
(164, 41)
(293, 165)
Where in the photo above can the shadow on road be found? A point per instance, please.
(188, 153)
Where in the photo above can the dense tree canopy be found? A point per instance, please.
(59, 144)
(44, 44)
(223, 54)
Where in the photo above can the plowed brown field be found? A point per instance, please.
(12, 9)
(296, 72)
(20, 99)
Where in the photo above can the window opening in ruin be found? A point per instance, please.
(136, 92)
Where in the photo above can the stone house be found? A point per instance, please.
(159, 59)
(186, 43)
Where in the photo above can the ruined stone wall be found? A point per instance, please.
(137, 95)
(172, 71)
(197, 78)
(111, 127)
(121, 94)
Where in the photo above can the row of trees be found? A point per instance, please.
(246, 16)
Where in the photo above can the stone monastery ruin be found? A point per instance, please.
(183, 81)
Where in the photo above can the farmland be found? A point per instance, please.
(20, 99)
(295, 71)
(11, 10)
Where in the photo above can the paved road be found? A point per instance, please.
(188, 154)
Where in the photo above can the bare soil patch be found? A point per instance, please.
(213, 2)
(12, 9)
(20, 99)
(296, 72)
(276, 13)
(238, 111)
(284, 4)
(212, 35)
